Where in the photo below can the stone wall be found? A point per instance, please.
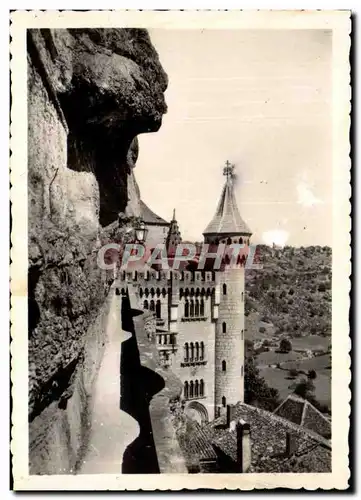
(90, 93)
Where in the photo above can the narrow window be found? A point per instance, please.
(224, 289)
(196, 389)
(191, 393)
(158, 309)
(186, 390)
(152, 305)
(242, 296)
(242, 371)
(145, 305)
(242, 334)
(197, 351)
(152, 292)
(146, 292)
(191, 312)
(229, 241)
(224, 401)
(224, 327)
(196, 313)
(192, 352)
(241, 240)
(186, 351)
(202, 352)
(202, 307)
(186, 308)
(141, 293)
(224, 366)
(201, 387)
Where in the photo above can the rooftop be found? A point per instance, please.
(312, 452)
(227, 219)
(149, 217)
(303, 413)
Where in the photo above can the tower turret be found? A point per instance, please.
(174, 236)
(228, 227)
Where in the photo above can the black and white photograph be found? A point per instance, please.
(181, 250)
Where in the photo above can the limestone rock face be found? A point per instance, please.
(90, 93)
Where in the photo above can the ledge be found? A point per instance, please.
(169, 455)
(194, 363)
(194, 318)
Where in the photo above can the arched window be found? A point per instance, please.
(191, 354)
(186, 390)
(152, 292)
(146, 292)
(158, 309)
(224, 401)
(201, 387)
(151, 305)
(201, 312)
(158, 292)
(224, 327)
(201, 356)
(141, 293)
(224, 366)
(164, 292)
(197, 352)
(186, 308)
(186, 351)
(196, 312)
(224, 289)
(242, 334)
(191, 309)
(240, 240)
(229, 241)
(191, 389)
(196, 389)
(145, 304)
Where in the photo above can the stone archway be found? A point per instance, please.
(196, 411)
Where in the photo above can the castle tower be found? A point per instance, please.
(228, 227)
(174, 236)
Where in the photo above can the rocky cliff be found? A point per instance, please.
(90, 93)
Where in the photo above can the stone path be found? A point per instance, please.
(112, 429)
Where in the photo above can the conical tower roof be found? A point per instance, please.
(227, 220)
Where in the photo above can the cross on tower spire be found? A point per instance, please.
(228, 170)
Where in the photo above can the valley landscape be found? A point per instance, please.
(289, 301)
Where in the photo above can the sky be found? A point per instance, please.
(260, 99)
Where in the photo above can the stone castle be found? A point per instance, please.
(200, 314)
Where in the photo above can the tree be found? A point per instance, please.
(256, 390)
(285, 346)
(305, 388)
(293, 373)
(312, 374)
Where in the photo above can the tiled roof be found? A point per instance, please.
(194, 442)
(150, 217)
(227, 219)
(302, 412)
(312, 453)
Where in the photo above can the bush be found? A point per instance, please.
(262, 329)
(285, 346)
(312, 374)
(305, 388)
(293, 373)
